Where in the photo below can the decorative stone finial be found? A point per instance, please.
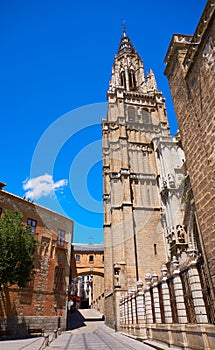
(175, 263)
(154, 279)
(139, 286)
(164, 271)
(148, 279)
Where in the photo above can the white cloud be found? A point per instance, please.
(42, 186)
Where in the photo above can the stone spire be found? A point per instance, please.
(125, 43)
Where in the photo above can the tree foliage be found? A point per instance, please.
(17, 247)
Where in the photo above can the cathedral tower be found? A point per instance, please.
(133, 233)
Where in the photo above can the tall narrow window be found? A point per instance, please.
(146, 117)
(132, 81)
(33, 224)
(61, 237)
(131, 114)
(122, 79)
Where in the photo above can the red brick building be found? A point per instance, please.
(42, 304)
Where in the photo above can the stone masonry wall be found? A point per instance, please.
(192, 82)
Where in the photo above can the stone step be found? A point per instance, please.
(91, 314)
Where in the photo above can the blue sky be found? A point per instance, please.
(55, 66)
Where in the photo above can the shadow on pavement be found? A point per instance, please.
(75, 320)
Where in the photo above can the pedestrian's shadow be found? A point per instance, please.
(75, 320)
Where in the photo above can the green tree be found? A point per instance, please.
(17, 247)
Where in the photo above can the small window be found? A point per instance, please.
(146, 116)
(77, 258)
(103, 258)
(33, 224)
(61, 237)
(91, 258)
(131, 114)
(155, 249)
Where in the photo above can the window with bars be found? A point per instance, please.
(61, 237)
(59, 281)
(33, 224)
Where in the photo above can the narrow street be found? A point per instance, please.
(92, 334)
(86, 331)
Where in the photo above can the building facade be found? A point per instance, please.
(158, 260)
(190, 69)
(87, 279)
(140, 162)
(43, 303)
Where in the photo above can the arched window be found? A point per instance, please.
(146, 117)
(132, 80)
(122, 78)
(131, 114)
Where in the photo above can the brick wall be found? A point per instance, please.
(41, 298)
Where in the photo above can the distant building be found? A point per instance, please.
(87, 281)
(43, 303)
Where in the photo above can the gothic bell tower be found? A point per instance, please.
(133, 235)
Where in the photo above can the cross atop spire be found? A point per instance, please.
(123, 28)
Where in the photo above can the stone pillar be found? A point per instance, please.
(129, 307)
(166, 296)
(148, 302)
(126, 309)
(121, 311)
(134, 307)
(156, 298)
(179, 294)
(141, 311)
(196, 289)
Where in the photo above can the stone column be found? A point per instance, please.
(148, 302)
(134, 307)
(156, 298)
(129, 308)
(179, 294)
(121, 311)
(196, 289)
(141, 311)
(126, 310)
(166, 296)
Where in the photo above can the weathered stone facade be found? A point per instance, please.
(190, 69)
(159, 204)
(141, 161)
(43, 302)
